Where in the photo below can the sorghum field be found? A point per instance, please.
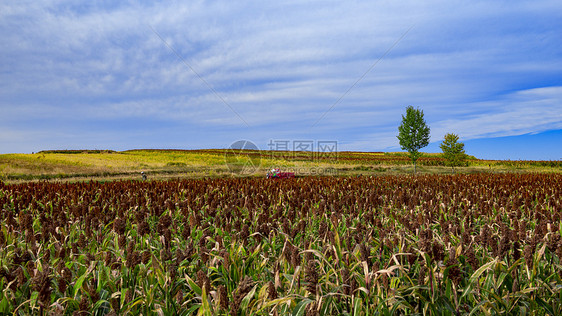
(428, 244)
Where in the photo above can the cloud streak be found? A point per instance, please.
(479, 69)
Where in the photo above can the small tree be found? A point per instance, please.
(453, 151)
(413, 133)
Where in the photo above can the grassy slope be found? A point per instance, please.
(81, 165)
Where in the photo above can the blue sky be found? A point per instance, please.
(204, 74)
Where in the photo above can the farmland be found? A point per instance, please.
(166, 164)
(361, 245)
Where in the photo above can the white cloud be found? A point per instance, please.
(473, 67)
(522, 112)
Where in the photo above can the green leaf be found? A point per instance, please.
(205, 309)
(301, 307)
(33, 299)
(101, 307)
(479, 307)
(545, 306)
(499, 300)
(131, 305)
(246, 300)
(4, 306)
(276, 302)
(357, 306)
(193, 308)
(500, 280)
(194, 287)
(81, 279)
(475, 276)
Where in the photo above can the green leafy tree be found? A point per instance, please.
(453, 151)
(413, 133)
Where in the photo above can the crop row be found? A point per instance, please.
(362, 245)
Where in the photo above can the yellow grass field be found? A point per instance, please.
(162, 164)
